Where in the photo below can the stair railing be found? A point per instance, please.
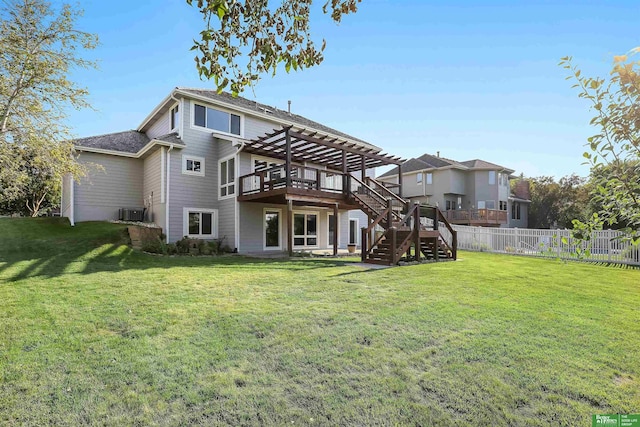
(399, 202)
(453, 245)
(366, 246)
(413, 236)
(357, 187)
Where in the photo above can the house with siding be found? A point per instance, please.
(472, 192)
(212, 166)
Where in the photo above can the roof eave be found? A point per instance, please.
(135, 155)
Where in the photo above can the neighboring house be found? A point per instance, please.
(211, 166)
(473, 192)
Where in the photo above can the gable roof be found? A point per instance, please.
(250, 107)
(428, 161)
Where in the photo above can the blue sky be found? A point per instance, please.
(468, 79)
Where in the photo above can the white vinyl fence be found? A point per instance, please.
(602, 247)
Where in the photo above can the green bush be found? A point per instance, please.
(182, 245)
(156, 246)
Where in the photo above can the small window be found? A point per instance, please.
(200, 223)
(175, 118)
(214, 119)
(429, 178)
(503, 205)
(192, 165)
(227, 177)
(492, 177)
(490, 204)
(419, 177)
(448, 204)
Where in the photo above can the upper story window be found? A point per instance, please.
(211, 118)
(492, 177)
(175, 117)
(192, 165)
(429, 178)
(227, 177)
(503, 179)
(419, 177)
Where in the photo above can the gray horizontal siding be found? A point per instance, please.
(255, 127)
(200, 192)
(65, 203)
(161, 127)
(99, 195)
(152, 188)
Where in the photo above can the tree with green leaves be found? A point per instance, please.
(557, 204)
(39, 46)
(244, 39)
(614, 151)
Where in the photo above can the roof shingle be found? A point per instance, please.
(129, 141)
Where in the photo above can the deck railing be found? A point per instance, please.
(300, 177)
(487, 216)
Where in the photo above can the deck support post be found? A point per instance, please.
(363, 244)
(363, 166)
(290, 227)
(400, 181)
(345, 181)
(335, 230)
(416, 226)
(288, 159)
(394, 243)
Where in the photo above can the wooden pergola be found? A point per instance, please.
(296, 146)
(299, 146)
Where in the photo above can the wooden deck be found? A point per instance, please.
(477, 217)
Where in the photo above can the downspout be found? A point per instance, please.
(72, 217)
(166, 214)
(237, 207)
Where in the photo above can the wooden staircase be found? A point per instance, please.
(402, 231)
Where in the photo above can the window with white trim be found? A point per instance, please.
(353, 232)
(429, 178)
(211, 118)
(419, 178)
(192, 165)
(175, 117)
(200, 223)
(227, 175)
(305, 229)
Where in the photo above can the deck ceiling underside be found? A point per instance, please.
(312, 147)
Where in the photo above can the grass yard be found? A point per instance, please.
(94, 333)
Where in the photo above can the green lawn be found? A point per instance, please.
(94, 333)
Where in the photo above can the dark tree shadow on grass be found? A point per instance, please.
(49, 248)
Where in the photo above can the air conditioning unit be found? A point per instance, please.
(128, 214)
